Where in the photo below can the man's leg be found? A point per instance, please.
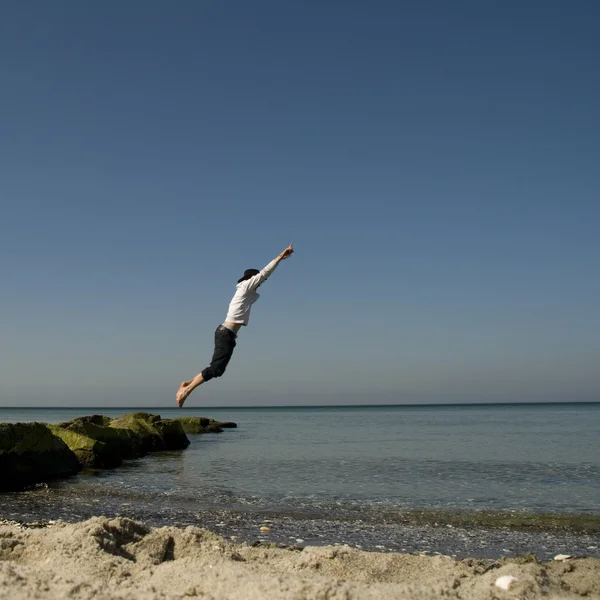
(224, 345)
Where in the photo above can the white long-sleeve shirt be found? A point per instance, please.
(246, 295)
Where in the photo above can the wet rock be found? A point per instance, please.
(213, 427)
(30, 453)
(144, 416)
(193, 424)
(123, 442)
(196, 425)
(33, 453)
(172, 433)
(93, 419)
(152, 433)
(90, 452)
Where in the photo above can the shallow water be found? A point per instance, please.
(340, 472)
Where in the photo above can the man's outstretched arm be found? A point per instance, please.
(256, 280)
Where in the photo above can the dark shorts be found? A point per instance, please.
(224, 345)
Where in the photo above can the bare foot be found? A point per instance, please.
(183, 392)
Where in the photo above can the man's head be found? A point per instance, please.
(248, 273)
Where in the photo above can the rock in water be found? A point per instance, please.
(152, 432)
(90, 452)
(197, 425)
(30, 453)
(172, 433)
(123, 442)
(34, 452)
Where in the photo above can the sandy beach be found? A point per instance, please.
(102, 558)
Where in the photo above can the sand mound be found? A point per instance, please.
(120, 558)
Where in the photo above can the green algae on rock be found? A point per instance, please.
(193, 424)
(197, 425)
(153, 433)
(90, 452)
(124, 442)
(172, 434)
(30, 454)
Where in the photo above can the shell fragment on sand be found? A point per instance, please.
(505, 581)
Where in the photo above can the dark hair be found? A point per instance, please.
(247, 274)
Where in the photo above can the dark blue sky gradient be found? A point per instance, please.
(437, 165)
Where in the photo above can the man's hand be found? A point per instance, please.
(287, 252)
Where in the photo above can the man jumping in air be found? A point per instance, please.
(237, 315)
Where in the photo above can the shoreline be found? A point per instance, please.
(103, 558)
(432, 532)
(584, 523)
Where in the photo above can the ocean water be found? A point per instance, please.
(357, 467)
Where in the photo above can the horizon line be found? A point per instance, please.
(284, 406)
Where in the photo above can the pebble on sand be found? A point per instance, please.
(562, 557)
(505, 581)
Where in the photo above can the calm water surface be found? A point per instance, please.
(352, 463)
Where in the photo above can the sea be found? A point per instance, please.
(351, 475)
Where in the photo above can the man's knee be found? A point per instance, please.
(218, 371)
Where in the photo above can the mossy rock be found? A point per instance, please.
(214, 427)
(203, 425)
(172, 433)
(193, 424)
(34, 452)
(153, 433)
(144, 416)
(125, 442)
(100, 420)
(147, 436)
(90, 452)
(30, 453)
(197, 425)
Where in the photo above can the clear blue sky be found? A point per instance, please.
(437, 165)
